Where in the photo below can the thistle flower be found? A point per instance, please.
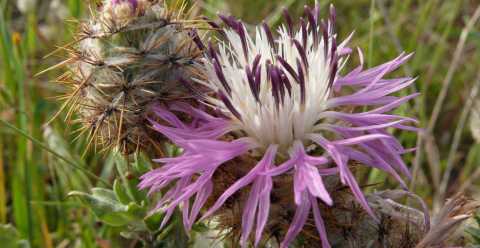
(128, 55)
(284, 103)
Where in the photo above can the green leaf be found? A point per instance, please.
(132, 185)
(130, 180)
(106, 194)
(105, 206)
(120, 192)
(136, 211)
(141, 164)
(153, 221)
(130, 235)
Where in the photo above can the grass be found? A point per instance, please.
(39, 164)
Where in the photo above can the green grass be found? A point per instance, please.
(39, 165)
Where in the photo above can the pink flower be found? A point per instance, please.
(278, 96)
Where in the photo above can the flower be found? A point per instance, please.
(283, 101)
(118, 67)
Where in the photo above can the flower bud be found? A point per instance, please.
(129, 56)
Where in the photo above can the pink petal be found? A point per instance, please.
(299, 220)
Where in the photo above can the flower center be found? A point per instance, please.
(274, 92)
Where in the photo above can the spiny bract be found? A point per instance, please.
(129, 54)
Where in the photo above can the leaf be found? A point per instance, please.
(105, 194)
(153, 221)
(129, 179)
(136, 211)
(141, 164)
(132, 186)
(120, 192)
(105, 206)
(130, 235)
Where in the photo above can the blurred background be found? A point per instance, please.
(40, 163)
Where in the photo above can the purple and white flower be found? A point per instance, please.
(282, 98)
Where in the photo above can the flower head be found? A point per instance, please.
(127, 57)
(284, 102)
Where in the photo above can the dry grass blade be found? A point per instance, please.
(443, 93)
(456, 139)
(452, 69)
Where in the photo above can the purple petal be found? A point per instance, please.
(341, 160)
(200, 159)
(363, 78)
(308, 177)
(315, 185)
(261, 166)
(200, 200)
(283, 168)
(299, 220)
(248, 215)
(263, 209)
(319, 223)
